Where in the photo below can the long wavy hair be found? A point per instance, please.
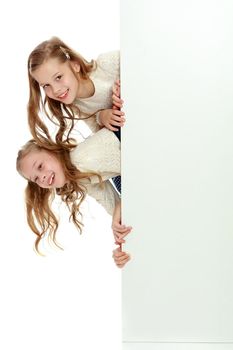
(40, 216)
(59, 113)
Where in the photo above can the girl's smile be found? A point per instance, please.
(64, 95)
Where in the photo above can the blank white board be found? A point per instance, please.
(177, 171)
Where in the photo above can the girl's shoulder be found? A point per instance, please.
(109, 61)
(109, 55)
(96, 150)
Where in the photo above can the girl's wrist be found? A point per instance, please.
(97, 117)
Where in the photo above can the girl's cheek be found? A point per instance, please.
(48, 93)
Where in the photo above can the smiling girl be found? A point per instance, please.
(72, 172)
(65, 87)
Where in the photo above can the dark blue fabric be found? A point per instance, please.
(118, 134)
(117, 180)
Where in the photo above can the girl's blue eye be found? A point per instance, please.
(45, 86)
(58, 77)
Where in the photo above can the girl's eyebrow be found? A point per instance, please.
(55, 74)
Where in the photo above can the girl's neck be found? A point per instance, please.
(87, 88)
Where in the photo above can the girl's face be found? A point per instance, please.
(58, 80)
(43, 168)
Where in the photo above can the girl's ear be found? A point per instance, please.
(75, 66)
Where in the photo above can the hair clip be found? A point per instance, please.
(65, 53)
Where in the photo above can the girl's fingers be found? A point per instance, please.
(117, 105)
(119, 237)
(117, 82)
(118, 119)
(121, 228)
(110, 127)
(117, 100)
(116, 97)
(117, 125)
(113, 126)
(117, 112)
(121, 234)
(124, 234)
(116, 91)
(115, 253)
(122, 264)
(117, 241)
(121, 260)
(119, 255)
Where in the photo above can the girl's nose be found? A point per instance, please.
(56, 89)
(43, 177)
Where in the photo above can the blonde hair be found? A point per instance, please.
(40, 216)
(59, 113)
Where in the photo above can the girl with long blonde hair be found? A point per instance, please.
(65, 87)
(71, 171)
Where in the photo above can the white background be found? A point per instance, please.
(70, 299)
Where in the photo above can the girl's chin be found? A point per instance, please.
(59, 185)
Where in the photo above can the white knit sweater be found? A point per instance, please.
(103, 76)
(99, 153)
